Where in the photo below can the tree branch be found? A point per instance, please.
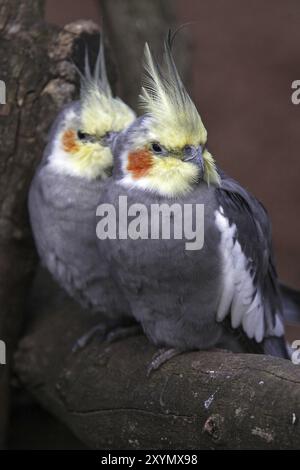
(198, 400)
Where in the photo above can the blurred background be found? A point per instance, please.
(244, 58)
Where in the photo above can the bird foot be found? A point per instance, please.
(122, 332)
(109, 335)
(81, 342)
(162, 356)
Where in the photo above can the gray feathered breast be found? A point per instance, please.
(224, 294)
(62, 212)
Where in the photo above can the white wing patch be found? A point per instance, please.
(238, 288)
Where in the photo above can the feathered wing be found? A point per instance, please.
(250, 287)
(53, 229)
(62, 214)
(291, 303)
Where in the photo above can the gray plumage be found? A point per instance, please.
(62, 214)
(65, 190)
(186, 299)
(291, 303)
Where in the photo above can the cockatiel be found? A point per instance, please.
(223, 295)
(66, 187)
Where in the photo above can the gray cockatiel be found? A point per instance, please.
(224, 294)
(66, 187)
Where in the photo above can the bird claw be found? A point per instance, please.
(86, 338)
(107, 335)
(122, 333)
(161, 356)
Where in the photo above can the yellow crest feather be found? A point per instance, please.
(101, 112)
(175, 118)
(166, 100)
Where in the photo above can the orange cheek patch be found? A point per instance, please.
(139, 163)
(69, 141)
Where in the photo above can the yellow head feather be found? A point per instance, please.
(93, 161)
(101, 112)
(175, 119)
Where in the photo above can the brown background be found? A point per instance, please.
(245, 56)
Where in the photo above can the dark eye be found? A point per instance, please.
(156, 148)
(188, 150)
(82, 135)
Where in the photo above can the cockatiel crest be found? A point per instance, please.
(82, 143)
(101, 112)
(174, 130)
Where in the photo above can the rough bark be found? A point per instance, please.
(129, 24)
(39, 77)
(199, 400)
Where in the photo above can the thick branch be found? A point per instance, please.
(198, 400)
(129, 24)
(39, 77)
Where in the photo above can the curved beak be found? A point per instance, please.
(108, 140)
(193, 154)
